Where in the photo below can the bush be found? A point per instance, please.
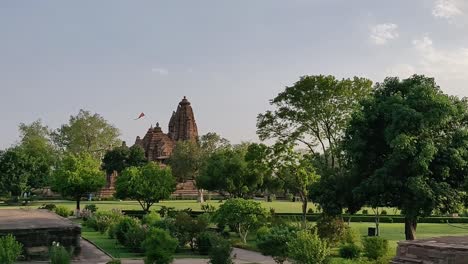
(58, 254)
(159, 247)
(188, 228)
(10, 249)
(310, 211)
(114, 261)
(352, 236)
(208, 208)
(203, 242)
(123, 226)
(365, 212)
(102, 220)
(62, 211)
(221, 250)
(350, 251)
(262, 231)
(375, 247)
(151, 219)
(134, 237)
(275, 242)
(308, 248)
(49, 206)
(383, 212)
(331, 229)
(91, 207)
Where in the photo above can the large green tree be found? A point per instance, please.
(122, 157)
(87, 132)
(147, 184)
(78, 175)
(407, 148)
(314, 113)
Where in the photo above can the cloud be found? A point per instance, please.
(444, 64)
(382, 33)
(447, 9)
(160, 71)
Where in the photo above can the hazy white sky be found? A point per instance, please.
(120, 58)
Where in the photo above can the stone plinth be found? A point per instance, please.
(440, 250)
(37, 229)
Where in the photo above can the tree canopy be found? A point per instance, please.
(407, 148)
(122, 157)
(78, 175)
(147, 184)
(87, 132)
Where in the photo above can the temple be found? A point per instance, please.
(158, 146)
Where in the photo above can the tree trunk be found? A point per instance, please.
(410, 227)
(77, 210)
(377, 221)
(200, 198)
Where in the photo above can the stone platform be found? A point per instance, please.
(440, 250)
(37, 229)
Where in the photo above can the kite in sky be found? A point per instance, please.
(140, 116)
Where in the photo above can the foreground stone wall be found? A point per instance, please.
(37, 229)
(441, 250)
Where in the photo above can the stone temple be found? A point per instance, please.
(158, 145)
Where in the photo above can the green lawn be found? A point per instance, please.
(278, 206)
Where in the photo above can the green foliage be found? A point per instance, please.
(91, 207)
(147, 184)
(102, 220)
(63, 211)
(275, 242)
(350, 251)
(307, 248)
(123, 157)
(10, 249)
(406, 148)
(114, 261)
(262, 232)
(86, 132)
(227, 172)
(50, 207)
(243, 215)
(186, 160)
(331, 229)
(123, 225)
(151, 219)
(220, 252)
(134, 237)
(375, 247)
(58, 254)
(78, 175)
(159, 247)
(203, 242)
(188, 228)
(352, 236)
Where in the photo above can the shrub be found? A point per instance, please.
(307, 248)
(187, 228)
(10, 249)
(262, 231)
(49, 206)
(384, 212)
(85, 214)
(350, 251)
(102, 220)
(208, 208)
(203, 242)
(310, 211)
(151, 219)
(352, 236)
(167, 211)
(114, 261)
(134, 237)
(275, 243)
(58, 254)
(331, 229)
(365, 212)
(91, 207)
(159, 247)
(62, 211)
(221, 250)
(375, 247)
(123, 225)
(289, 197)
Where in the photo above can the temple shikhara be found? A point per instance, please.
(158, 146)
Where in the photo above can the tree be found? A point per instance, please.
(147, 184)
(226, 171)
(243, 215)
(212, 142)
(185, 160)
(123, 157)
(14, 172)
(315, 112)
(159, 247)
(407, 148)
(297, 173)
(78, 175)
(87, 132)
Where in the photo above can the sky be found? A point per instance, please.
(121, 58)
